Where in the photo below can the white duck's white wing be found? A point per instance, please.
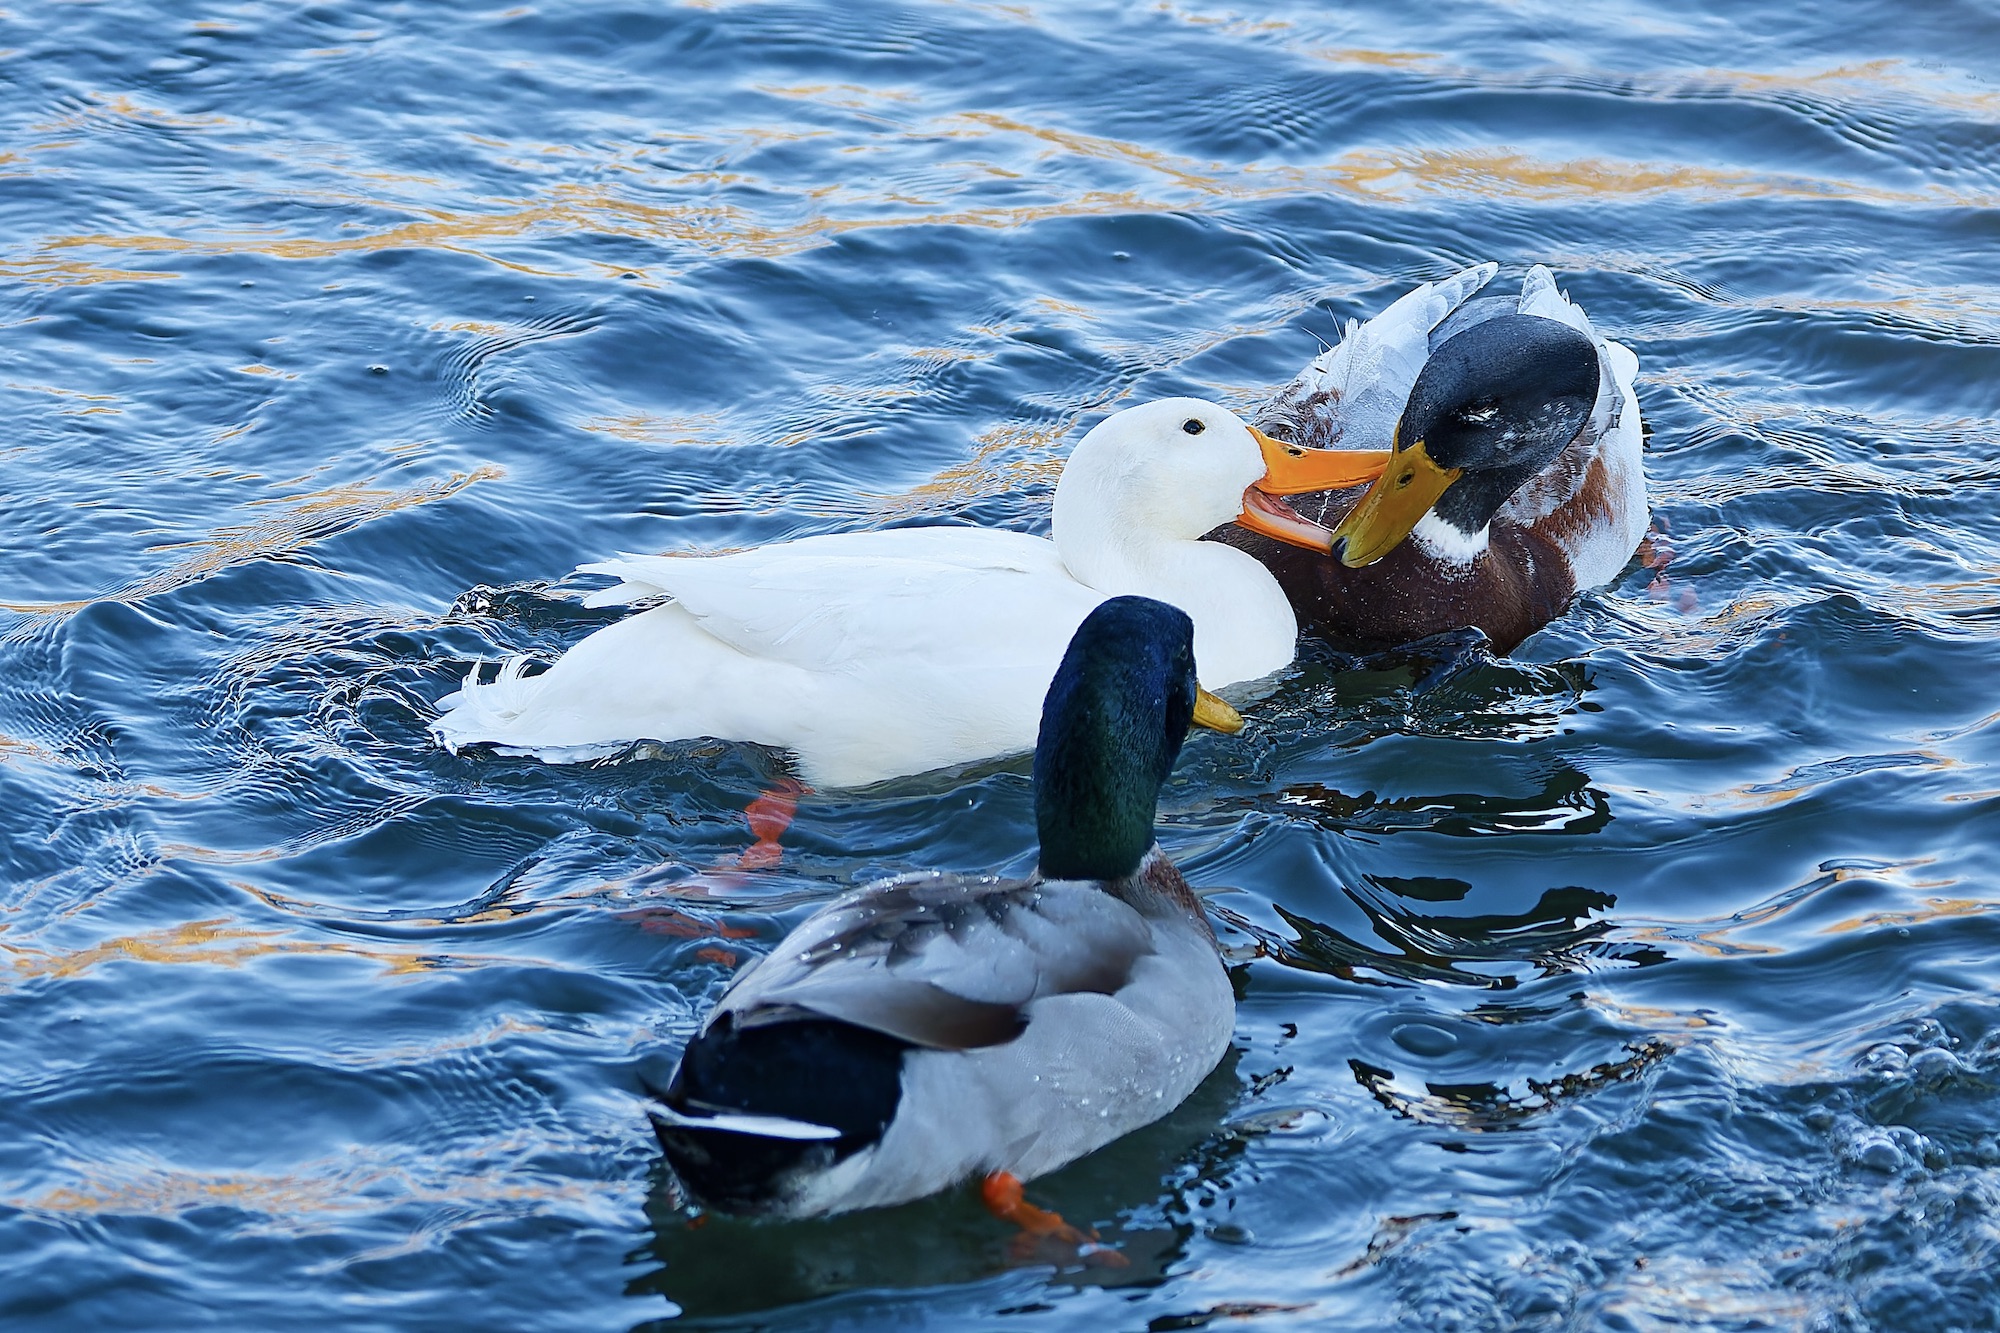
(822, 602)
(648, 577)
(1350, 396)
(945, 962)
(870, 656)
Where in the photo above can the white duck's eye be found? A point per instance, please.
(1193, 426)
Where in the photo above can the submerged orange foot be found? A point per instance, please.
(1041, 1230)
(769, 816)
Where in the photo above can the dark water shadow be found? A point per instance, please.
(1452, 684)
(1560, 934)
(1483, 1105)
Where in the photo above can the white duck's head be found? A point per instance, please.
(1175, 469)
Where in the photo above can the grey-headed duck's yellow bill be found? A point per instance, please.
(1214, 714)
(1397, 501)
(1290, 470)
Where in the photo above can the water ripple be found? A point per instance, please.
(1641, 980)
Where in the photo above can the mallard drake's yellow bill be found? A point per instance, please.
(1213, 713)
(1397, 501)
(1290, 470)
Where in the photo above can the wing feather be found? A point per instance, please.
(945, 961)
(1351, 395)
(822, 603)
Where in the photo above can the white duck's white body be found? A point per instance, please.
(872, 655)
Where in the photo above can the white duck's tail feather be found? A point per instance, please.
(480, 712)
(631, 586)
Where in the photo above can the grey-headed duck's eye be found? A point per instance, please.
(1193, 426)
(1480, 415)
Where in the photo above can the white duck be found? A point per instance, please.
(931, 1028)
(876, 654)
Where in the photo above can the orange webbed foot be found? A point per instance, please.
(1042, 1231)
(769, 816)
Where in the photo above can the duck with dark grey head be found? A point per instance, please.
(1512, 480)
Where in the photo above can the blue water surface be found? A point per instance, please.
(1647, 980)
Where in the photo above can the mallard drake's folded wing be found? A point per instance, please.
(945, 961)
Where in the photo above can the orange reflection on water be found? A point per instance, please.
(1487, 173)
(1233, 24)
(212, 941)
(13, 749)
(1354, 55)
(696, 224)
(96, 108)
(1929, 909)
(1005, 460)
(1769, 796)
(1891, 75)
(303, 521)
(702, 429)
(73, 272)
(356, 1182)
(850, 95)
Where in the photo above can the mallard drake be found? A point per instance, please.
(1514, 483)
(876, 654)
(931, 1028)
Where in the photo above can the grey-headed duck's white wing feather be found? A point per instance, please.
(1351, 395)
(1617, 365)
(1611, 440)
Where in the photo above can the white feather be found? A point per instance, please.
(736, 1122)
(1369, 375)
(1454, 549)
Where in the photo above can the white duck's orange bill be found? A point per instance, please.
(1272, 517)
(1290, 470)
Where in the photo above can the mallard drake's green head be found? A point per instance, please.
(1492, 407)
(1112, 725)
